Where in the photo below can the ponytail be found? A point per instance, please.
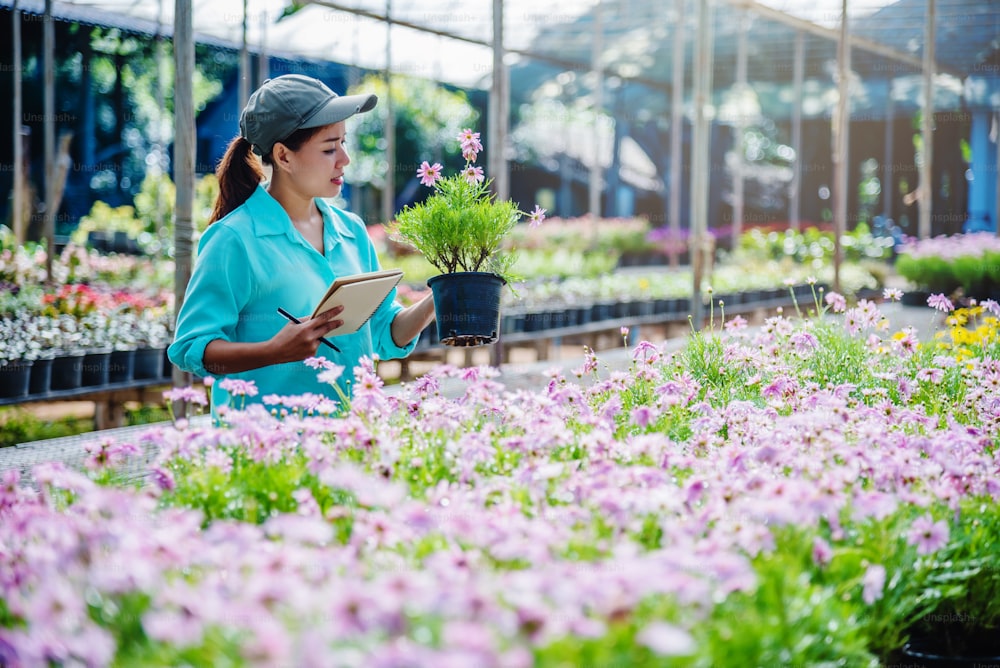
(239, 174)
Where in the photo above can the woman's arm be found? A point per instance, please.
(292, 343)
(412, 320)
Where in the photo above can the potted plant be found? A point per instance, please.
(460, 229)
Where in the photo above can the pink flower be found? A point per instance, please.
(331, 375)
(874, 583)
(931, 375)
(941, 303)
(666, 639)
(892, 294)
(822, 552)
(187, 394)
(469, 155)
(643, 416)
(239, 388)
(929, 536)
(470, 141)
(836, 301)
(208, 381)
(991, 306)
(735, 324)
(536, 217)
(429, 174)
(473, 174)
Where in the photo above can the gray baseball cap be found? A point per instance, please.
(292, 102)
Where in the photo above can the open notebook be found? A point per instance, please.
(361, 295)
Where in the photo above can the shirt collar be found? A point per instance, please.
(269, 218)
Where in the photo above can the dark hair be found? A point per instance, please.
(240, 171)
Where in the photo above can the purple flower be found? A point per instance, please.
(822, 552)
(941, 303)
(873, 583)
(929, 536)
(536, 217)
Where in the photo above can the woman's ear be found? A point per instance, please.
(281, 157)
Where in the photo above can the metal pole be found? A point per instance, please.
(927, 128)
(184, 155)
(49, 122)
(798, 74)
(740, 126)
(497, 122)
(887, 149)
(263, 67)
(17, 218)
(840, 130)
(244, 61)
(594, 187)
(676, 133)
(700, 156)
(389, 192)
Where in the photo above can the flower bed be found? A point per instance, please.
(807, 494)
(970, 262)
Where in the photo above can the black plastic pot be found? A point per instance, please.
(95, 370)
(67, 372)
(467, 307)
(121, 366)
(15, 378)
(41, 377)
(148, 363)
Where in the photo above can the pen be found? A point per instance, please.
(299, 322)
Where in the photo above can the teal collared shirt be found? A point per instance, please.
(254, 261)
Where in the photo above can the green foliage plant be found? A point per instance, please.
(462, 226)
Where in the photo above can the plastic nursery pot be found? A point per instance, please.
(467, 307)
(148, 363)
(122, 365)
(15, 378)
(41, 376)
(96, 368)
(67, 372)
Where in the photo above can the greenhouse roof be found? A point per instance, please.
(449, 40)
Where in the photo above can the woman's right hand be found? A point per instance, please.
(295, 342)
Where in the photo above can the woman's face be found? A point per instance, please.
(317, 168)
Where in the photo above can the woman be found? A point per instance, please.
(278, 245)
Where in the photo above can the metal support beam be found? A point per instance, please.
(926, 166)
(702, 98)
(740, 128)
(887, 148)
(676, 134)
(798, 75)
(49, 125)
(263, 67)
(184, 156)
(244, 61)
(389, 192)
(594, 187)
(498, 110)
(840, 144)
(18, 222)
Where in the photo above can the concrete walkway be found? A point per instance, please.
(70, 450)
